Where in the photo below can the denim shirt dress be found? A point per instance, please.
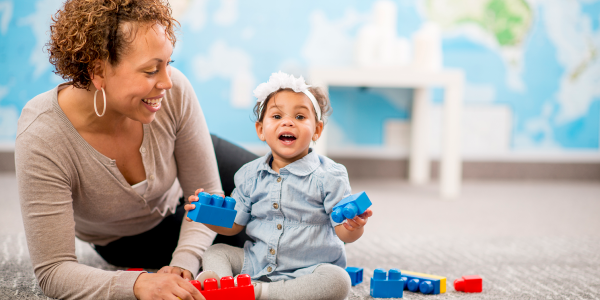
(288, 215)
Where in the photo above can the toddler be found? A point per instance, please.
(284, 200)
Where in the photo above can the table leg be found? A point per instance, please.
(451, 165)
(419, 164)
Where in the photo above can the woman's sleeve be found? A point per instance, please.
(196, 168)
(47, 209)
(336, 186)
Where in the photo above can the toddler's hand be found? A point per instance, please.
(358, 221)
(191, 206)
(191, 199)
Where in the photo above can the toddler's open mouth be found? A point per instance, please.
(287, 137)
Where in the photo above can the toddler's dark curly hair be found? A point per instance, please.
(86, 30)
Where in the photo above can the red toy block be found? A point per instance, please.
(243, 291)
(469, 284)
(135, 269)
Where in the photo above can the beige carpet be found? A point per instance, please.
(528, 240)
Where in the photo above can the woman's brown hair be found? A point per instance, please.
(86, 30)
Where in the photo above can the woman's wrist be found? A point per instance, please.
(138, 286)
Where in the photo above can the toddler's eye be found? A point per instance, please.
(299, 117)
(276, 117)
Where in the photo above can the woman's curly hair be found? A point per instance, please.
(86, 30)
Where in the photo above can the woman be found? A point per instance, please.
(107, 156)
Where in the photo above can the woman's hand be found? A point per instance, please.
(185, 274)
(164, 286)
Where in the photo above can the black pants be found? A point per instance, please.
(154, 248)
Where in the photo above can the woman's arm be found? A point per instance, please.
(47, 207)
(196, 167)
(46, 173)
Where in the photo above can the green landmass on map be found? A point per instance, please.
(508, 21)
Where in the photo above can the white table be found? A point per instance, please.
(403, 77)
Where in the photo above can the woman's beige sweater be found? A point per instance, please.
(68, 189)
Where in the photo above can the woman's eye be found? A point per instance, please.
(299, 117)
(152, 72)
(170, 62)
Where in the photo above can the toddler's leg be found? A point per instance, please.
(223, 259)
(327, 281)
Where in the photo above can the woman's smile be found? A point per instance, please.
(153, 104)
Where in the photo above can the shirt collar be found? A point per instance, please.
(301, 167)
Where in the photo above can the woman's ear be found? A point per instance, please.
(259, 131)
(318, 131)
(97, 72)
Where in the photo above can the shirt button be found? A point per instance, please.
(143, 149)
(152, 177)
(278, 179)
(279, 226)
(275, 205)
(272, 253)
(269, 269)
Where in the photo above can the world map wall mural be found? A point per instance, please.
(532, 67)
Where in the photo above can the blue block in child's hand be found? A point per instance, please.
(213, 210)
(351, 207)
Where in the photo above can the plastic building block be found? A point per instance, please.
(211, 291)
(389, 285)
(213, 210)
(350, 207)
(356, 275)
(135, 269)
(424, 283)
(469, 284)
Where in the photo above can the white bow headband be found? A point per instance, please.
(281, 80)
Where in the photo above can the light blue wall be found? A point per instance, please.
(252, 39)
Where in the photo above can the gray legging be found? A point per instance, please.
(327, 281)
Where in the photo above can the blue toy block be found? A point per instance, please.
(356, 275)
(424, 283)
(350, 207)
(390, 285)
(213, 210)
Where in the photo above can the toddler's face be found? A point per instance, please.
(289, 125)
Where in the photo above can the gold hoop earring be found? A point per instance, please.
(95, 108)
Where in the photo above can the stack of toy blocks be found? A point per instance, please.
(356, 275)
(469, 284)
(350, 207)
(211, 291)
(213, 210)
(390, 285)
(424, 283)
